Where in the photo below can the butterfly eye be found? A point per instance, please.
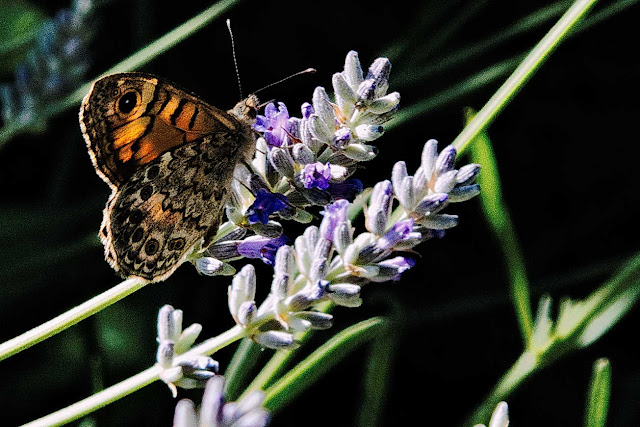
(127, 102)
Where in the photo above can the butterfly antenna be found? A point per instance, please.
(235, 59)
(308, 70)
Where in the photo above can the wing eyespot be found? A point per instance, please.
(128, 102)
(151, 247)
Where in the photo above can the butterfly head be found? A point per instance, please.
(247, 109)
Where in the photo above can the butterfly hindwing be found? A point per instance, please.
(165, 210)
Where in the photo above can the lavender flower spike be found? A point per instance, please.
(172, 341)
(215, 411)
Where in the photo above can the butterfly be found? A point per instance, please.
(168, 158)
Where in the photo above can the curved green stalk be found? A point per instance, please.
(136, 382)
(320, 361)
(70, 318)
(599, 393)
(498, 217)
(579, 324)
(523, 72)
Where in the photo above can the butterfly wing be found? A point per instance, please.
(167, 209)
(130, 119)
(169, 159)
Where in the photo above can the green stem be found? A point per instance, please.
(498, 217)
(280, 359)
(240, 366)
(320, 361)
(532, 62)
(521, 369)
(136, 382)
(70, 318)
(568, 334)
(477, 49)
(599, 393)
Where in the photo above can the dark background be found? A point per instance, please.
(566, 151)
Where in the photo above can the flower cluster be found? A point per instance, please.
(216, 412)
(302, 162)
(330, 263)
(56, 65)
(172, 341)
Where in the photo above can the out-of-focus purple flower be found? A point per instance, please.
(316, 175)
(334, 214)
(261, 247)
(265, 204)
(399, 232)
(274, 124)
(348, 189)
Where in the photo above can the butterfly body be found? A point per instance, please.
(169, 159)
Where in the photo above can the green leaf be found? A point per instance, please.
(497, 215)
(320, 362)
(376, 380)
(599, 393)
(19, 24)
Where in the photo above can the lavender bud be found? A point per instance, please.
(319, 129)
(165, 354)
(346, 295)
(212, 400)
(323, 108)
(431, 204)
(276, 340)
(271, 229)
(302, 154)
(369, 132)
(464, 193)
(429, 156)
(398, 174)
(188, 337)
(341, 137)
(213, 267)
(352, 70)
(185, 414)
(444, 162)
(281, 161)
(342, 237)
(406, 194)
(445, 182)
(316, 319)
(380, 208)
(360, 152)
(166, 328)
(384, 104)
(439, 221)
(200, 363)
(467, 174)
(306, 110)
(246, 313)
(345, 95)
(242, 289)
